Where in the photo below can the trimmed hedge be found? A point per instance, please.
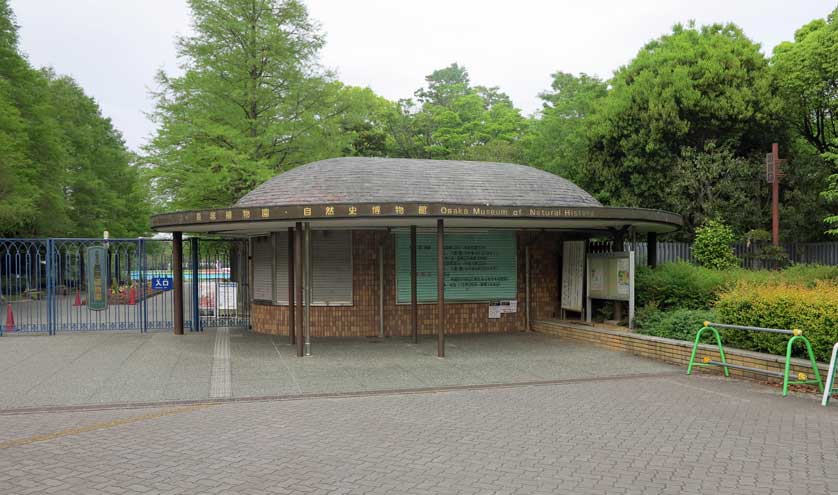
(811, 308)
(686, 286)
(678, 324)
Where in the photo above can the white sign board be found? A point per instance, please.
(227, 296)
(573, 268)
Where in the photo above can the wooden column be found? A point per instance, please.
(440, 287)
(298, 287)
(177, 273)
(414, 306)
(291, 307)
(652, 249)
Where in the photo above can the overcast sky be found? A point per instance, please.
(114, 47)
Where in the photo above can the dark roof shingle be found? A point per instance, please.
(392, 180)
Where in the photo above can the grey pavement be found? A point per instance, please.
(118, 367)
(641, 434)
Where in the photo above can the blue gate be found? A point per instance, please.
(44, 285)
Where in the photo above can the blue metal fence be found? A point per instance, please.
(43, 285)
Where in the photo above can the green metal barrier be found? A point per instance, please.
(829, 387)
(796, 334)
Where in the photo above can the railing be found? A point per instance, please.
(44, 286)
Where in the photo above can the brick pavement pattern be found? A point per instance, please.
(672, 434)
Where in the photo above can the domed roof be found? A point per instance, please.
(391, 180)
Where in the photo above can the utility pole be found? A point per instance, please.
(773, 176)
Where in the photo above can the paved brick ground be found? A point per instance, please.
(673, 434)
(95, 368)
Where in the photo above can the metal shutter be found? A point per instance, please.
(262, 261)
(331, 264)
(281, 268)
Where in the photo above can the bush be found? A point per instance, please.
(712, 246)
(681, 324)
(682, 285)
(813, 309)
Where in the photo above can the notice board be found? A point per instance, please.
(480, 266)
(611, 277)
(573, 274)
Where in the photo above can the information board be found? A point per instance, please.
(611, 277)
(573, 274)
(97, 277)
(227, 296)
(478, 266)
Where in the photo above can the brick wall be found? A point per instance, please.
(677, 352)
(361, 319)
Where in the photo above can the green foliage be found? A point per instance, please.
(679, 285)
(712, 246)
(252, 102)
(64, 169)
(687, 89)
(678, 324)
(714, 183)
(685, 286)
(456, 121)
(558, 141)
(806, 74)
(811, 309)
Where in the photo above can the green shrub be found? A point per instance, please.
(813, 309)
(682, 285)
(681, 324)
(712, 246)
(679, 285)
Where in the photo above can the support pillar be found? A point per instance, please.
(652, 249)
(308, 288)
(440, 287)
(177, 273)
(414, 306)
(619, 245)
(291, 307)
(196, 310)
(298, 287)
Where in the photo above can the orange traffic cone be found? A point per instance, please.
(78, 299)
(132, 297)
(10, 319)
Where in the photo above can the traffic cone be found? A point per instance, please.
(78, 299)
(10, 319)
(132, 297)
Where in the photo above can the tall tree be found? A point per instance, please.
(559, 141)
(806, 71)
(453, 120)
(64, 169)
(689, 88)
(251, 102)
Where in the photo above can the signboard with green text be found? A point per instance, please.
(480, 266)
(96, 264)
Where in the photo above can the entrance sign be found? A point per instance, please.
(611, 277)
(162, 283)
(573, 267)
(478, 266)
(97, 277)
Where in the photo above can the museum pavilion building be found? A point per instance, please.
(374, 242)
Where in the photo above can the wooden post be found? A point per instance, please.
(775, 195)
(414, 305)
(291, 307)
(652, 249)
(177, 273)
(440, 286)
(298, 287)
